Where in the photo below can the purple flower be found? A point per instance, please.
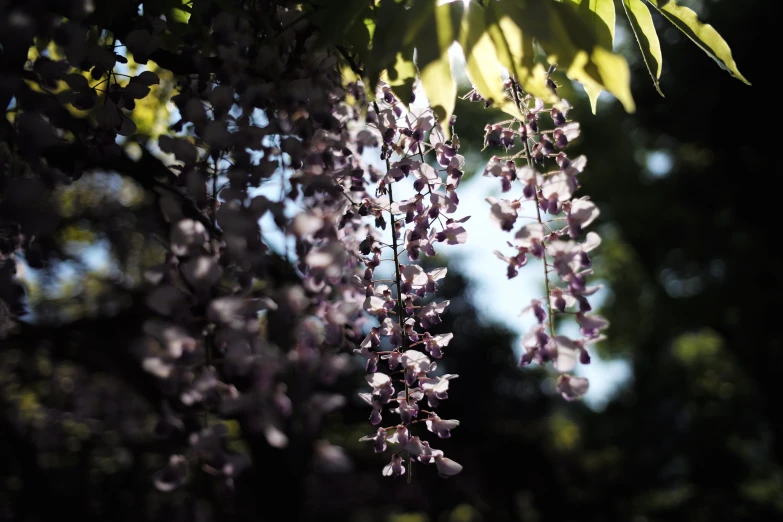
(395, 359)
(566, 134)
(437, 388)
(392, 329)
(381, 386)
(434, 344)
(494, 168)
(441, 427)
(428, 454)
(581, 213)
(492, 135)
(454, 171)
(530, 178)
(394, 467)
(406, 411)
(372, 358)
(400, 436)
(531, 237)
(537, 309)
(379, 440)
(374, 305)
(565, 353)
(572, 388)
(591, 325)
(507, 138)
(415, 363)
(444, 153)
(534, 343)
(446, 467)
(566, 257)
(557, 187)
(415, 446)
(561, 299)
(377, 407)
(558, 117)
(503, 212)
(173, 475)
(429, 314)
(432, 277)
(453, 233)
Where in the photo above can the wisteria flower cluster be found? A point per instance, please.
(225, 329)
(403, 305)
(559, 241)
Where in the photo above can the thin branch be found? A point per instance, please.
(541, 221)
(398, 280)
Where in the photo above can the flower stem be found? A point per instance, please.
(397, 273)
(538, 216)
(398, 278)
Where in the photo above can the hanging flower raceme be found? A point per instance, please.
(548, 178)
(421, 163)
(403, 304)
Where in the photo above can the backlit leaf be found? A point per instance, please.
(482, 62)
(642, 25)
(599, 16)
(401, 76)
(515, 50)
(432, 47)
(591, 63)
(704, 35)
(571, 44)
(391, 21)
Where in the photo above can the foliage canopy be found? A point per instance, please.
(520, 37)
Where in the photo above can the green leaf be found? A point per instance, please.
(358, 38)
(515, 50)
(393, 23)
(642, 25)
(432, 48)
(181, 13)
(571, 43)
(593, 91)
(704, 35)
(589, 62)
(615, 76)
(342, 22)
(599, 16)
(482, 62)
(401, 76)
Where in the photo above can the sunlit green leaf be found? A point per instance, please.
(599, 16)
(182, 12)
(392, 19)
(432, 47)
(482, 62)
(432, 30)
(642, 25)
(515, 50)
(615, 76)
(591, 63)
(401, 76)
(571, 44)
(704, 35)
(358, 37)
